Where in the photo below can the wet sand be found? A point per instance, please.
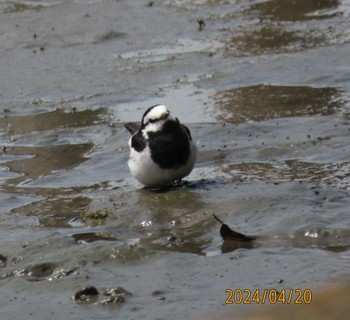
(264, 88)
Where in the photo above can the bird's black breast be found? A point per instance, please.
(138, 142)
(170, 147)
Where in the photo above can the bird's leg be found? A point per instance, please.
(178, 182)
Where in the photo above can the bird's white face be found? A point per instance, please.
(154, 120)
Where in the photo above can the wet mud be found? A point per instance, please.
(263, 87)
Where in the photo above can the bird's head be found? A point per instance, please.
(155, 117)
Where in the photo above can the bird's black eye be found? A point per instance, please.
(152, 120)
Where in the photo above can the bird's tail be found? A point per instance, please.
(132, 127)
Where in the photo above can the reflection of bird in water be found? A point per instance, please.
(161, 149)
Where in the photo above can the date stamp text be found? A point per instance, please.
(271, 296)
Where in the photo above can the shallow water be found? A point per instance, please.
(264, 88)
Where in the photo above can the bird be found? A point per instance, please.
(162, 151)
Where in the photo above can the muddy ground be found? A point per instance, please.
(264, 87)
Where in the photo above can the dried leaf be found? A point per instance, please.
(228, 234)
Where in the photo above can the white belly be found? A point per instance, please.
(150, 174)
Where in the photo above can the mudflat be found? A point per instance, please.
(263, 86)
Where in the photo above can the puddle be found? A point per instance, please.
(29, 162)
(299, 10)
(273, 39)
(56, 213)
(183, 99)
(23, 6)
(273, 32)
(263, 87)
(291, 170)
(265, 102)
(46, 160)
(50, 120)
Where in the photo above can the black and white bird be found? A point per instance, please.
(161, 149)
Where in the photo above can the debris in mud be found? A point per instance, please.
(95, 216)
(108, 36)
(159, 295)
(201, 24)
(156, 293)
(89, 237)
(3, 261)
(115, 296)
(86, 295)
(44, 271)
(61, 273)
(228, 234)
(171, 238)
(19, 7)
(109, 296)
(38, 272)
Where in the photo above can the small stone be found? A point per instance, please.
(86, 295)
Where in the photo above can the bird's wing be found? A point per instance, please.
(187, 131)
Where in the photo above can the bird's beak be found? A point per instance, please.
(165, 115)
